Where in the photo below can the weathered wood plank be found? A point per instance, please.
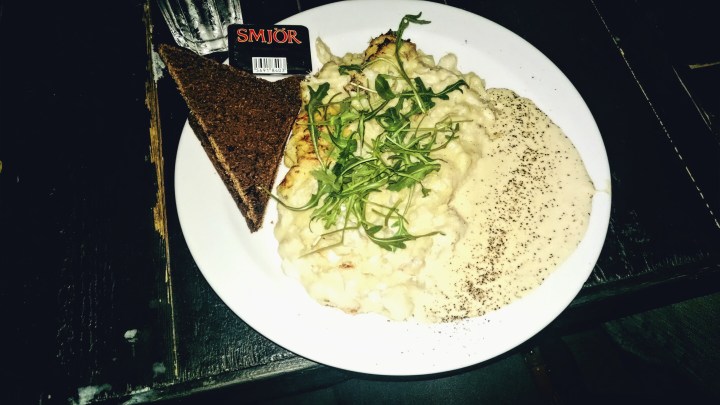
(81, 253)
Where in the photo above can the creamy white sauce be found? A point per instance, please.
(526, 203)
(512, 200)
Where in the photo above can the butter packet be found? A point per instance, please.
(270, 49)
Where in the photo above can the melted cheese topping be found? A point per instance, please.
(512, 200)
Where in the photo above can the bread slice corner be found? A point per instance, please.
(242, 122)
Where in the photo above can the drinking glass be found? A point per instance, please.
(201, 25)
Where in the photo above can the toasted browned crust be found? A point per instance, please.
(242, 122)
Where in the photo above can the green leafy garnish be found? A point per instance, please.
(399, 158)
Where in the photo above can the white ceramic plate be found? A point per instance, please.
(244, 269)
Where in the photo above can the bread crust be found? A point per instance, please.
(241, 121)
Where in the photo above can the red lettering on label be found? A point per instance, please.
(242, 35)
(278, 35)
(292, 37)
(257, 35)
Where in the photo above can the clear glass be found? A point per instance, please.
(201, 25)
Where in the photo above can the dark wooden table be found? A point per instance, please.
(101, 299)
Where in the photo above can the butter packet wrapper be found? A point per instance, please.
(271, 49)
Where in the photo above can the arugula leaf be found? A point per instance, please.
(382, 87)
(397, 159)
(406, 20)
(346, 69)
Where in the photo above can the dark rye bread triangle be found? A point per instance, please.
(242, 122)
